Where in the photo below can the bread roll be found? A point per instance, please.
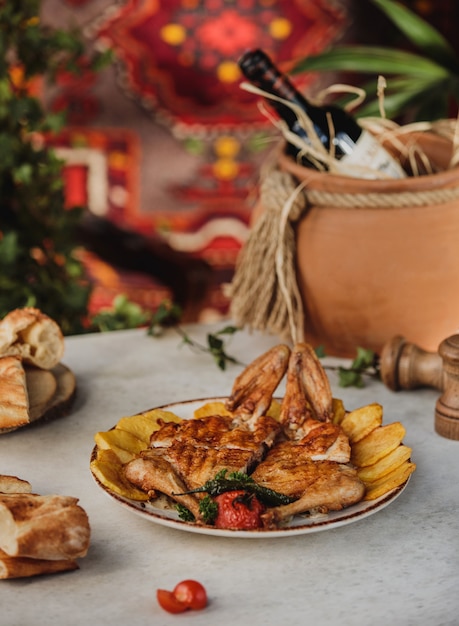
(43, 527)
(33, 336)
(13, 484)
(14, 398)
(22, 566)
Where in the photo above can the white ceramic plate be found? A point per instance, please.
(299, 525)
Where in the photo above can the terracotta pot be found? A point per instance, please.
(368, 273)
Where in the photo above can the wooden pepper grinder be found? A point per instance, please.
(404, 365)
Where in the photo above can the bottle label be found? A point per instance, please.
(369, 159)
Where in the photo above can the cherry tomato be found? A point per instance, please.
(188, 594)
(191, 593)
(238, 510)
(169, 602)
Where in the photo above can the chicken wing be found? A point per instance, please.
(308, 393)
(253, 389)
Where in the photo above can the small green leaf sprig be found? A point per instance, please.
(366, 363)
(169, 315)
(125, 314)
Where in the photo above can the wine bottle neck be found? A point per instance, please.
(259, 69)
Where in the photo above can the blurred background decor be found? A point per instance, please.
(163, 150)
(39, 266)
(163, 142)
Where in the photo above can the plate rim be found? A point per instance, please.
(329, 521)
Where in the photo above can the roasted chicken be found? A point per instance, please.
(302, 455)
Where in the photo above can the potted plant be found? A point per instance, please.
(422, 82)
(345, 262)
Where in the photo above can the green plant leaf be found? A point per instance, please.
(228, 330)
(371, 60)
(8, 250)
(216, 347)
(366, 363)
(167, 314)
(123, 314)
(433, 69)
(320, 351)
(419, 32)
(350, 378)
(403, 94)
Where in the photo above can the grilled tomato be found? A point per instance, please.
(239, 510)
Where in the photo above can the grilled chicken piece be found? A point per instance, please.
(325, 485)
(307, 393)
(198, 465)
(191, 453)
(324, 441)
(181, 467)
(335, 487)
(152, 472)
(307, 407)
(206, 431)
(253, 389)
(218, 431)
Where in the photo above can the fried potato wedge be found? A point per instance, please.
(211, 408)
(124, 444)
(216, 407)
(390, 481)
(108, 469)
(160, 414)
(377, 444)
(338, 410)
(360, 422)
(121, 444)
(385, 465)
(140, 428)
(144, 424)
(274, 410)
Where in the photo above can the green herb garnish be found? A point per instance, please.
(185, 514)
(208, 509)
(238, 481)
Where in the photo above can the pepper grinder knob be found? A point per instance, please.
(404, 365)
(447, 406)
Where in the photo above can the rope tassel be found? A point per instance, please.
(264, 292)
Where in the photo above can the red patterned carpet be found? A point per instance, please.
(165, 142)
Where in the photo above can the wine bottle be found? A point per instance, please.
(359, 153)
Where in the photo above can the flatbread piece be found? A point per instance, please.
(50, 527)
(22, 567)
(14, 397)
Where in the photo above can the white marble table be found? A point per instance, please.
(399, 566)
